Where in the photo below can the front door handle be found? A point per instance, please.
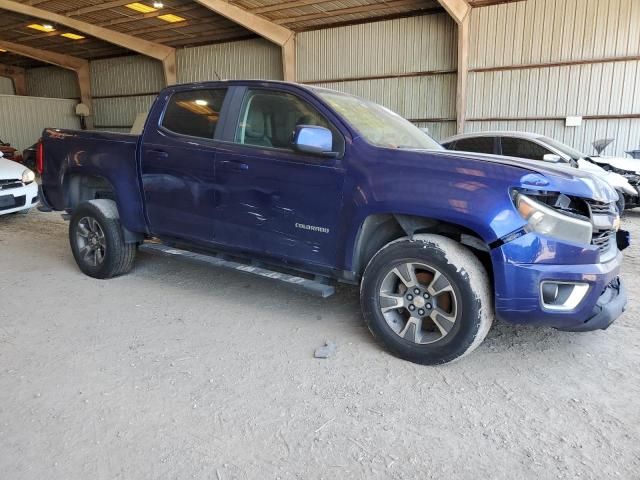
(234, 165)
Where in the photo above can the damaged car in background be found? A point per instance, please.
(533, 146)
(625, 166)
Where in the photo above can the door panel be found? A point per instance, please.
(277, 205)
(271, 199)
(178, 166)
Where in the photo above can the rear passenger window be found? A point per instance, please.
(477, 144)
(194, 113)
(516, 147)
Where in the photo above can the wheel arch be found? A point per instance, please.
(377, 230)
(82, 187)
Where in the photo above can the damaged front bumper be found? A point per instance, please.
(609, 306)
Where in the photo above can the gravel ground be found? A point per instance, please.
(179, 371)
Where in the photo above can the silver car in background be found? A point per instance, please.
(534, 146)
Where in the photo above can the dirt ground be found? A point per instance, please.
(178, 371)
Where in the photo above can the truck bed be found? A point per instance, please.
(91, 159)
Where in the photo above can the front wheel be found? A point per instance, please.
(97, 241)
(427, 299)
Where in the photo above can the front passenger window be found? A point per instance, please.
(268, 119)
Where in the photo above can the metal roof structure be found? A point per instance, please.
(182, 23)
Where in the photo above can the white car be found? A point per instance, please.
(534, 146)
(18, 188)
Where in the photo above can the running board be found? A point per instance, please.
(314, 287)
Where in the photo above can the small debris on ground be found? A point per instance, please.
(328, 349)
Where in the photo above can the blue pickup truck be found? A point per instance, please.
(310, 186)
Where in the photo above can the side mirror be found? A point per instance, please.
(551, 158)
(313, 139)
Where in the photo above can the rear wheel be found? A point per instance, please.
(427, 299)
(97, 242)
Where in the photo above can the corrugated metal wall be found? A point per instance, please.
(52, 82)
(255, 59)
(6, 86)
(540, 34)
(24, 118)
(412, 60)
(123, 87)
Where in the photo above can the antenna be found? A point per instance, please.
(217, 75)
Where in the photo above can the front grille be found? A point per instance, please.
(9, 184)
(7, 202)
(603, 240)
(600, 208)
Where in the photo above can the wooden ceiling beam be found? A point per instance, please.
(458, 9)
(155, 50)
(267, 29)
(257, 24)
(47, 56)
(347, 11)
(144, 16)
(79, 65)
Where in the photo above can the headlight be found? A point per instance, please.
(551, 223)
(28, 176)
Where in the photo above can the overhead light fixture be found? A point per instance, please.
(158, 5)
(171, 18)
(42, 27)
(72, 36)
(202, 103)
(140, 7)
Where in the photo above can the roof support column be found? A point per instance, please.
(84, 83)
(463, 73)
(18, 76)
(170, 69)
(289, 60)
(460, 11)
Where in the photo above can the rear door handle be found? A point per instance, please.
(158, 153)
(234, 165)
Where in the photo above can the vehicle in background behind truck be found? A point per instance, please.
(18, 189)
(533, 146)
(625, 166)
(310, 186)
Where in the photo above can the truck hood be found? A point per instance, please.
(548, 176)
(631, 165)
(10, 170)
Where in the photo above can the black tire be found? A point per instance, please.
(467, 280)
(621, 203)
(117, 257)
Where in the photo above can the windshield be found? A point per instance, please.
(377, 124)
(566, 149)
